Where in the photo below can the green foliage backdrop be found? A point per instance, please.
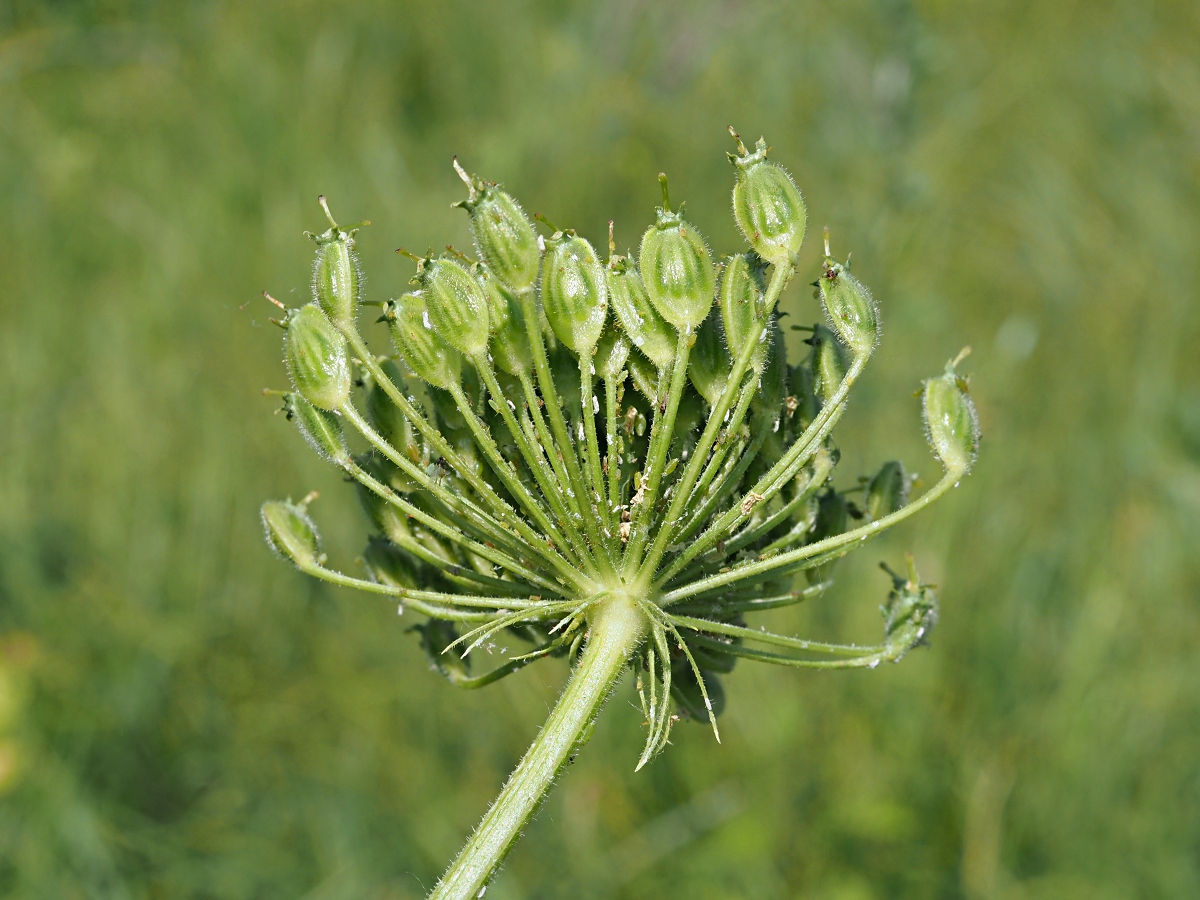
(181, 715)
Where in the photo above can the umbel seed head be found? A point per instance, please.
(503, 234)
(849, 306)
(431, 357)
(677, 268)
(291, 533)
(767, 204)
(337, 277)
(510, 343)
(647, 330)
(742, 287)
(316, 358)
(457, 306)
(321, 429)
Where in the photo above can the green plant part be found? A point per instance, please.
(621, 490)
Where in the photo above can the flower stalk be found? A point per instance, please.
(615, 462)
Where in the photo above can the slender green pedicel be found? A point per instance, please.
(622, 491)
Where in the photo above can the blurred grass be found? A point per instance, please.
(183, 716)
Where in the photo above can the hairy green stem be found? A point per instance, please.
(616, 630)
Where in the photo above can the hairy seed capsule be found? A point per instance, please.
(503, 234)
(850, 308)
(951, 423)
(742, 288)
(887, 492)
(291, 533)
(677, 270)
(767, 205)
(457, 306)
(427, 354)
(337, 277)
(320, 428)
(647, 330)
(611, 355)
(574, 292)
(709, 364)
(316, 358)
(509, 343)
(828, 361)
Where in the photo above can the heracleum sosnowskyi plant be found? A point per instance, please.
(613, 461)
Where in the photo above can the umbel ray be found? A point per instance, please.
(610, 460)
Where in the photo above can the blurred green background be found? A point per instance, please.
(182, 715)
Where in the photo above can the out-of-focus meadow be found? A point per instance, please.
(182, 715)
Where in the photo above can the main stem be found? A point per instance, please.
(616, 630)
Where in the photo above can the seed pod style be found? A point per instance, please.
(427, 354)
(828, 361)
(887, 491)
(509, 343)
(503, 234)
(767, 205)
(742, 288)
(850, 308)
(677, 269)
(709, 364)
(574, 292)
(337, 277)
(951, 423)
(647, 330)
(291, 533)
(320, 428)
(316, 357)
(457, 306)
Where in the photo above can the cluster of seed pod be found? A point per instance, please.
(552, 428)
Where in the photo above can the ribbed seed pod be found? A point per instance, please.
(316, 357)
(647, 330)
(951, 422)
(709, 364)
(291, 533)
(743, 284)
(427, 354)
(503, 234)
(887, 491)
(850, 308)
(509, 343)
(828, 361)
(337, 277)
(574, 292)
(457, 306)
(677, 270)
(320, 428)
(767, 205)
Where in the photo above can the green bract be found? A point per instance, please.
(767, 205)
(316, 358)
(574, 292)
(542, 479)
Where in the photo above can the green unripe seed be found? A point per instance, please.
(316, 358)
(742, 288)
(767, 205)
(828, 361)
(337, 276)
(457, 306)
(320, 428)
(677, 270)
(509, 343)
(647, 330)
(850, 308)
(291, 533)
(887, 491)
(611, 355)
(951, 423)
(503, 234)
(427, 354)
(574, 292)
(709, 365)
